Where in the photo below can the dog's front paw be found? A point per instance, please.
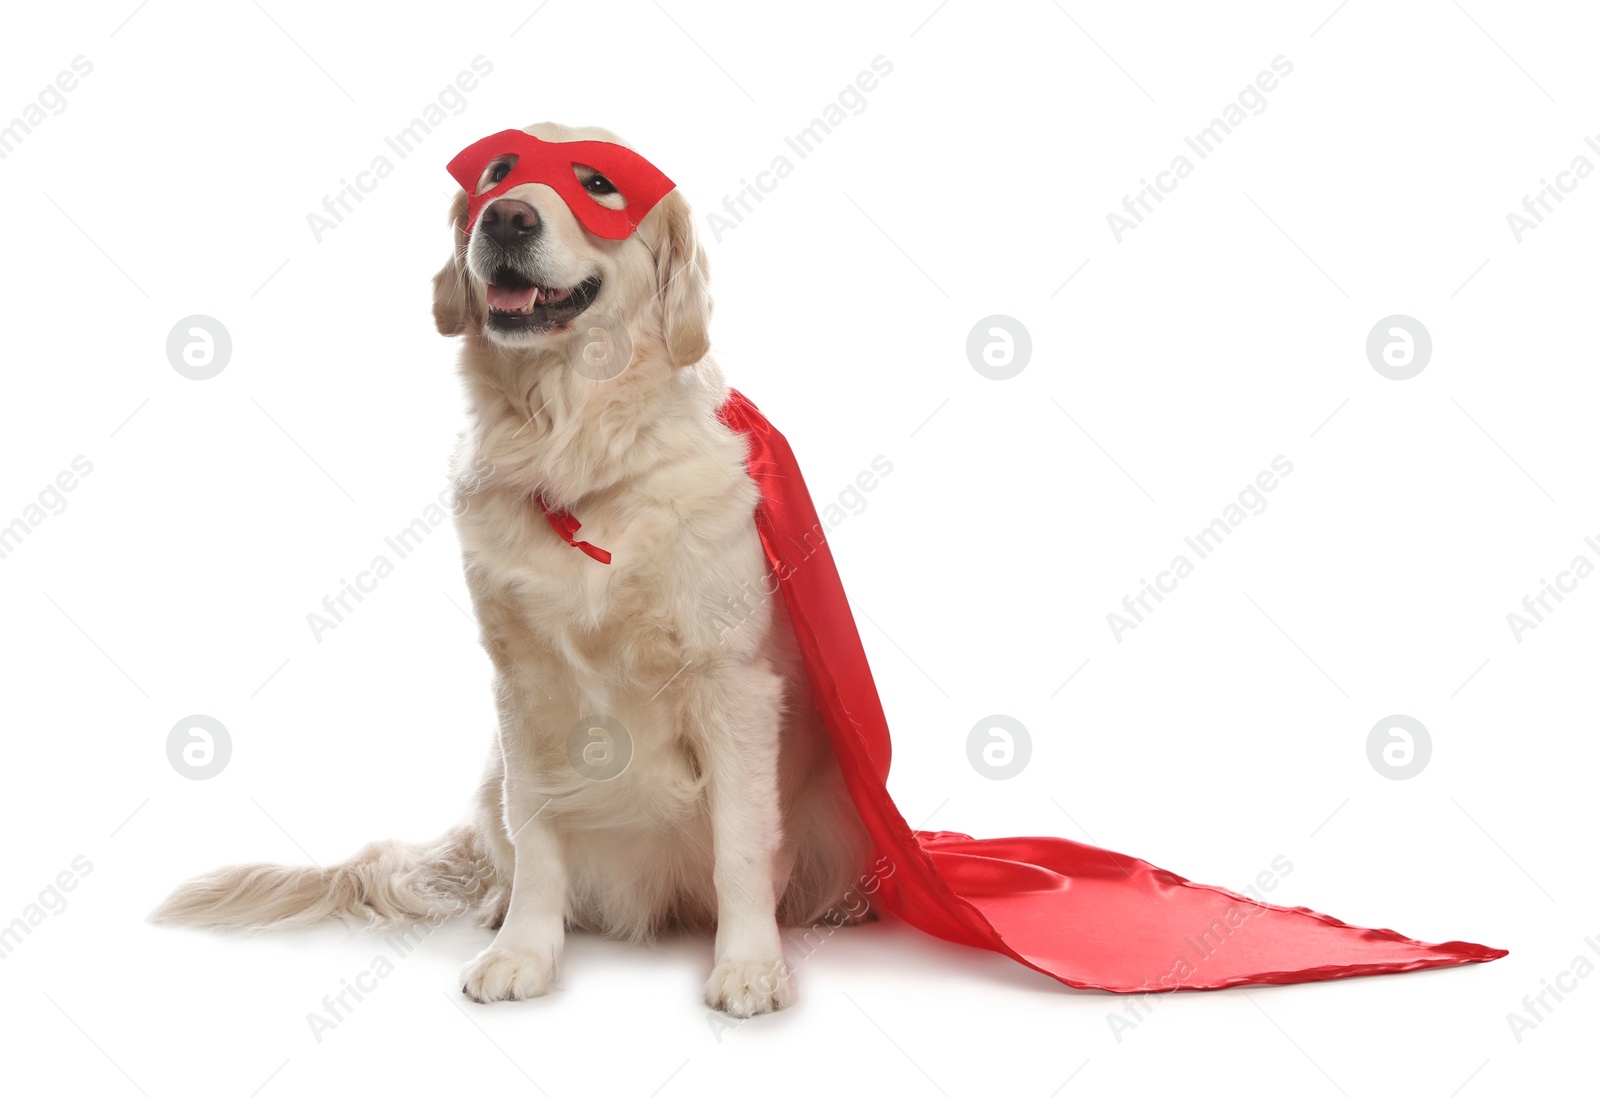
(500, 974)
(744, 988)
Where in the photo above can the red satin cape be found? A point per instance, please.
(1086, 916)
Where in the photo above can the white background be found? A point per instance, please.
(1228, 729)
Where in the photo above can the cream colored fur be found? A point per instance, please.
(731, 812)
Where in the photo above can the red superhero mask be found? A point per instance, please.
(554, 164)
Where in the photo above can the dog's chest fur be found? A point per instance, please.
(670, 500)
(574, 637)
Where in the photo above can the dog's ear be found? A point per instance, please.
(682, 281)
(455, 307)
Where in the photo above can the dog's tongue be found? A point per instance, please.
(502, 298)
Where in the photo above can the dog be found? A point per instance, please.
(658, 760)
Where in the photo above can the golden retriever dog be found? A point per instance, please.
(658, 759)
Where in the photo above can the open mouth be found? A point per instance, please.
(516, 304)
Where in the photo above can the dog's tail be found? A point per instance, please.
(385, 882)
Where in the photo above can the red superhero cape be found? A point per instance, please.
(1086, 916)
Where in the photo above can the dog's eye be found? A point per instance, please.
(594, 183)
(496, 172)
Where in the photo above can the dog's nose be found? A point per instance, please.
(507, 220)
